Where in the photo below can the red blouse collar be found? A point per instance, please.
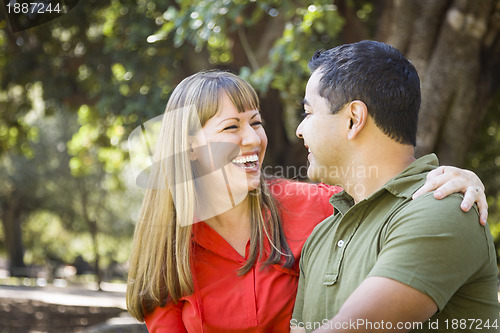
(208, 238)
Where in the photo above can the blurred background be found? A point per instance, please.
(72, 89)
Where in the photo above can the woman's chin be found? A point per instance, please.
(253, 180)
(253, 185)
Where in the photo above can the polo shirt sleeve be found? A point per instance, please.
(434, 247)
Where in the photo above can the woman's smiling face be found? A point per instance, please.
(236, 139)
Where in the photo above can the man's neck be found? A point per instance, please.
(372, 169)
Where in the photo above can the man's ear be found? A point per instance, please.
(357, 114)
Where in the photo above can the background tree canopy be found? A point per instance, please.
(72, 90)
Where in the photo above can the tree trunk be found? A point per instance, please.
(281, 152)
(94, 231)
(251, 49)
(11, 220)
(92, 227)
(455, 46)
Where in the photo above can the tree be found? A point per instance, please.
(455, 46)
(33, 181)
(72, 185)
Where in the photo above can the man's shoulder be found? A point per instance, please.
(428, 219)
(429, 208)
(434, 247)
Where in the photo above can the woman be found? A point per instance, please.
(217, 246)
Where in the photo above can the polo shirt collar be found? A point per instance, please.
(410, 179)
(403, 185)
(342, 202)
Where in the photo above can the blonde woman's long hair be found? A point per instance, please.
(161, 259)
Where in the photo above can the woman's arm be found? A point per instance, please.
(446, 180)
(166, 319)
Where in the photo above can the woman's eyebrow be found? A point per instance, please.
(238, 119)
(256, 114)
(232, 118)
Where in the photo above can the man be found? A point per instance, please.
(384, 262)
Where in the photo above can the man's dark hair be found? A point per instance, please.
(378, 75)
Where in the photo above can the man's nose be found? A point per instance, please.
(298, 132)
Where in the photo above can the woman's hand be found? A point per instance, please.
(446, 180)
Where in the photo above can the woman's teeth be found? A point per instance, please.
(247, 162)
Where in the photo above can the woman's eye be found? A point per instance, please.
(230, 127)
(257, 123)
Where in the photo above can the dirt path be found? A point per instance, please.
(63, 310)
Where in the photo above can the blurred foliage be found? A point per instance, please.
(73, 89)
(50, 189)
(43, 227)
(484, 159)
(103, 69)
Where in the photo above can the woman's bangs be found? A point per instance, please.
(242, 96)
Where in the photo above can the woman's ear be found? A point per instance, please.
(358, 114)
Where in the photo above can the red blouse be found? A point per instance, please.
(261, 300)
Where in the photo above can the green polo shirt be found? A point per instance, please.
(428, 244)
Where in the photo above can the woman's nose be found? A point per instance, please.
(249, 137)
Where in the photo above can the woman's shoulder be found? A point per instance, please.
(302, 205)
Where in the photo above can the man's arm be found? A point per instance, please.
(382, 305)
